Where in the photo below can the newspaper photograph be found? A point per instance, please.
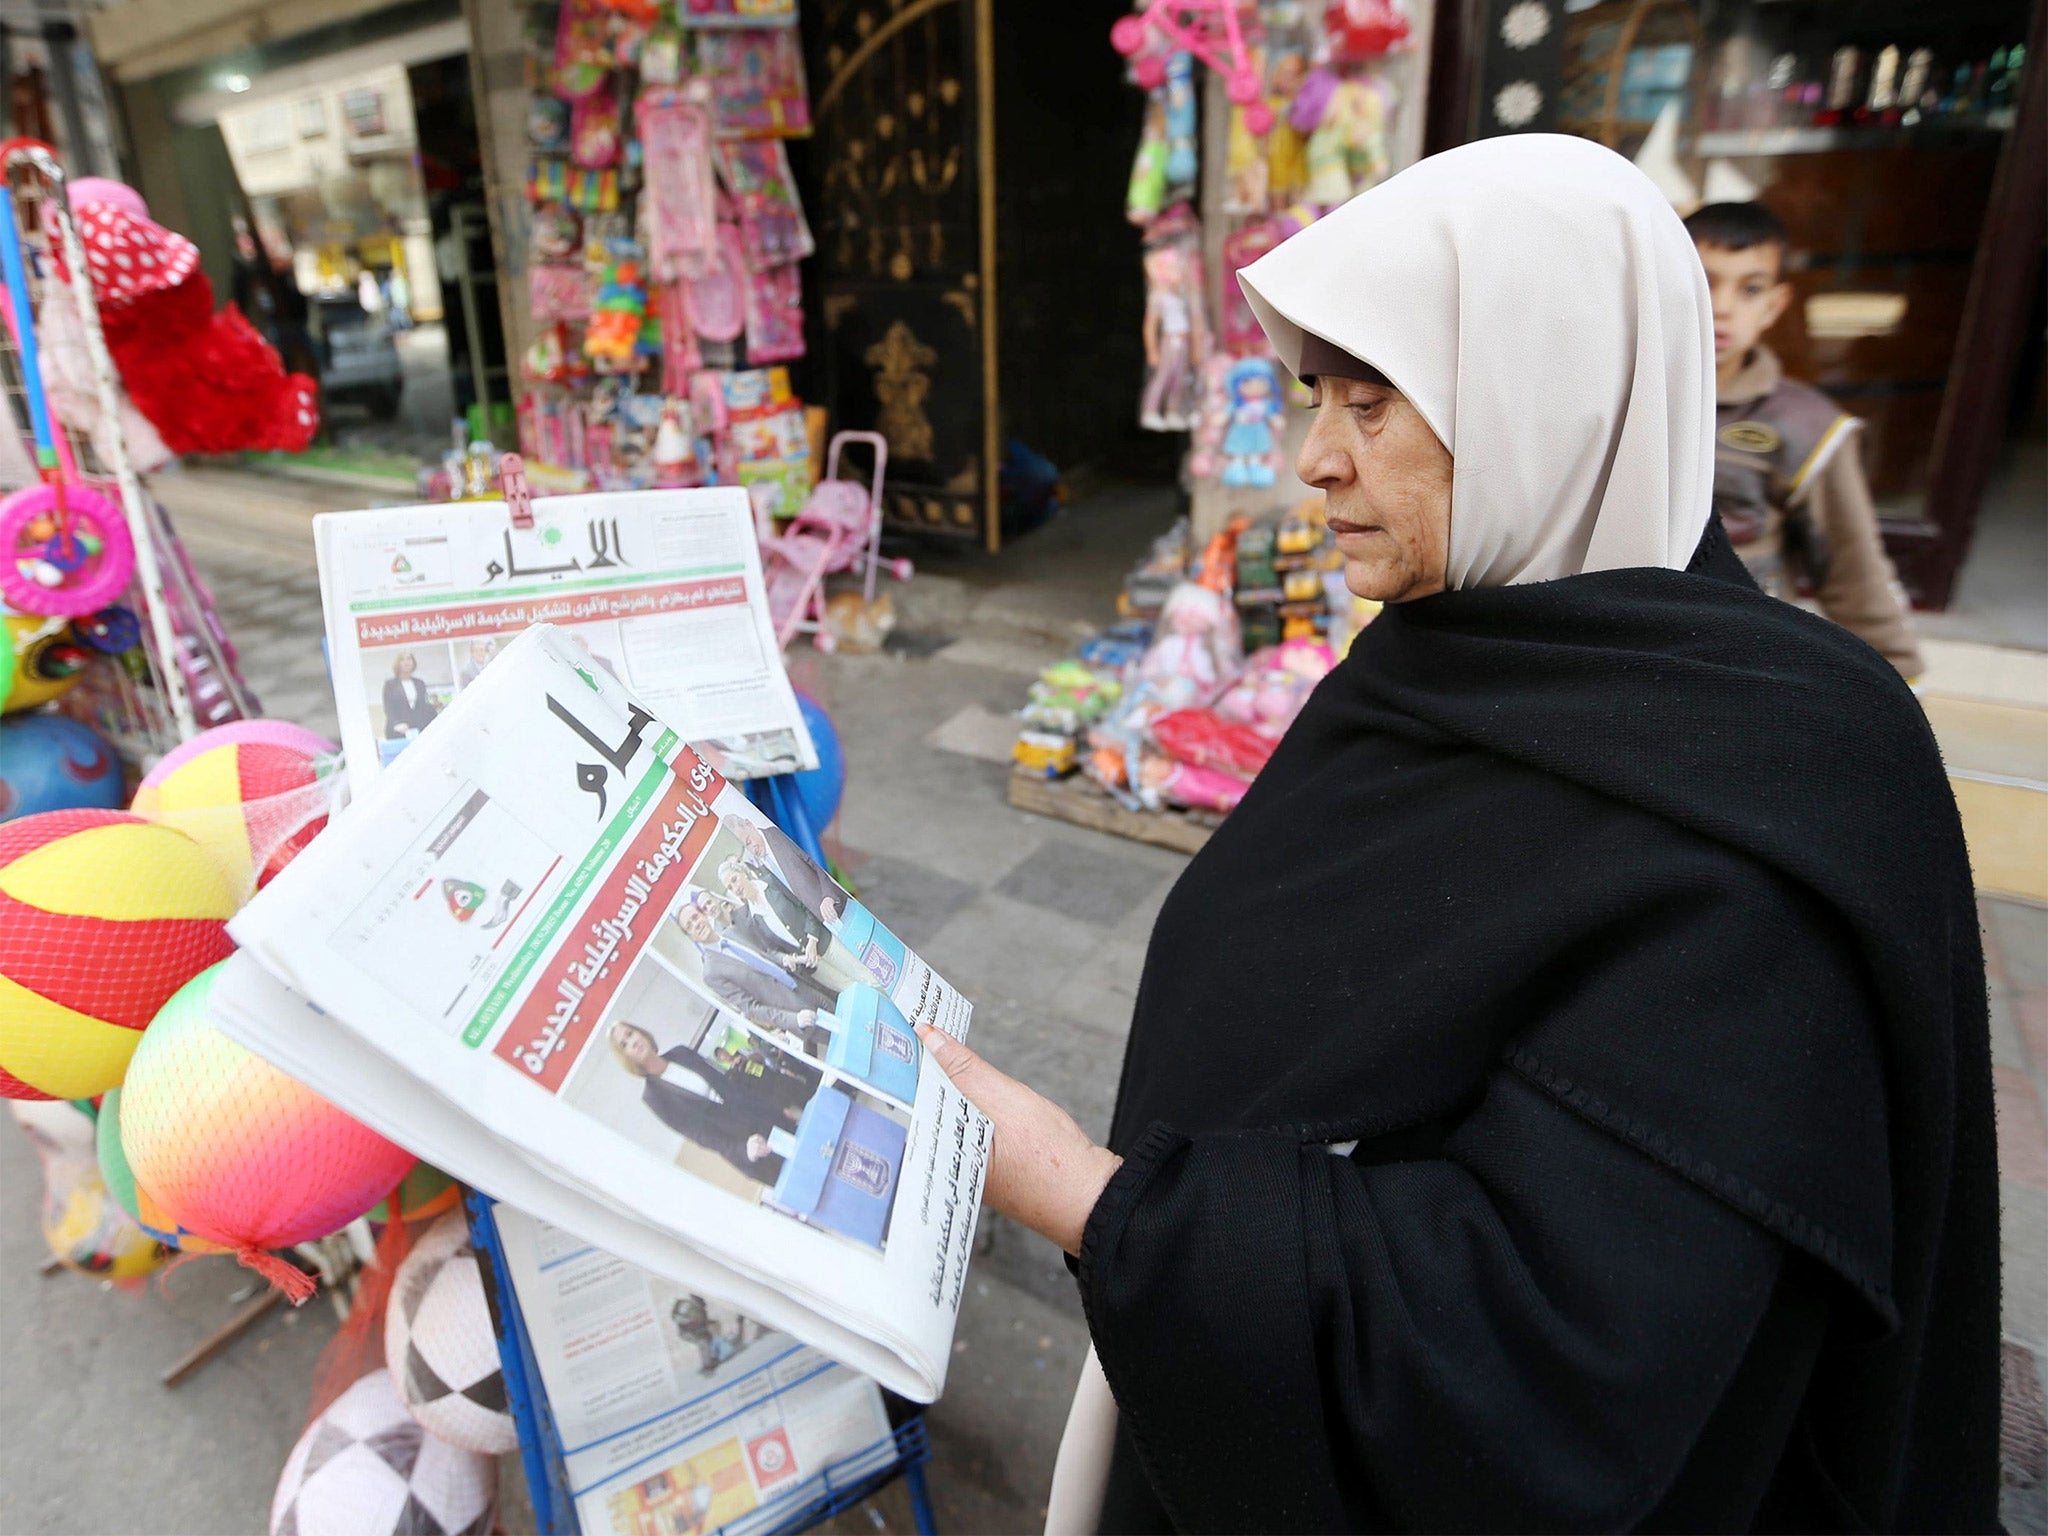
(570, 925)
(664, 589)
(677, 1413)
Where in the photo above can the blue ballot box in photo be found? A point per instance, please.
(877, 948)
(875, 1043)
(842, 1174)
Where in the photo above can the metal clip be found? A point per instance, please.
(512, 481)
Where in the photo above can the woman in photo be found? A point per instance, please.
(407, 708)
(1558, 1096)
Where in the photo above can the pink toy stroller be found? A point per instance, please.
(839, 529)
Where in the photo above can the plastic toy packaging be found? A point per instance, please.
(737, 13)
(612, 338)
(1203, 738)
(594, 132)
(1070, 696)
(764, 194)
(592, 191)
(583, 56)
(718, 298)
(1275, 684)
(1359, 30)
(557, 234)
(757, 81)
(547, 124)
(547, 180)
(1237, 326)
(556, 292)
(662, 59)
(680, 197)
(1176, 325)
(775, 314)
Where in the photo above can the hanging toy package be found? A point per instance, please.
(757, 81)
(756, 173)
(680, 195)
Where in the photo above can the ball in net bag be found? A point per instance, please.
(249, 792)
(440, 1347)
(366, 1467)
(103, 915)
(138, 1202)
(237, 1152)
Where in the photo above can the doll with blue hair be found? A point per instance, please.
(1254, 409)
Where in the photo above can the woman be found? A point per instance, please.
(1558, 1096)
(407, 708)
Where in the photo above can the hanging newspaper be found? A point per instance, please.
(560, 957)
(675, 1411)
(663, 587)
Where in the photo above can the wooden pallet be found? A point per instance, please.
(1086, 804)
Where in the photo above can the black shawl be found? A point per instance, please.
(1625, 922)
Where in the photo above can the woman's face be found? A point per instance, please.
(405, 666)
(1387, 485)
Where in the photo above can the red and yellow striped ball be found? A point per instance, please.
(103, 916)
(247, 791)
(234, 1151)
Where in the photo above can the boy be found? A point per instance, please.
(1788, 481)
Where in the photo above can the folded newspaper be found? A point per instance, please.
(553, 952)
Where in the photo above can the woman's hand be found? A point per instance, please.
(1043, 1170)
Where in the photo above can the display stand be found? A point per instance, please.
(810, 1503)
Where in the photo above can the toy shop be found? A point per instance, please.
(1885, 146)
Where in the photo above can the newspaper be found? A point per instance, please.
(663, 587)
(554, 952)
(675, 1410)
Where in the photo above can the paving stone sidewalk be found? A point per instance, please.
(1044, 925)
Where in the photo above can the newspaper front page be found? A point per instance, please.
(566, 924)
(663, 587)
(675, 1410)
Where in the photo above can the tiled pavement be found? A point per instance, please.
(1044, 925)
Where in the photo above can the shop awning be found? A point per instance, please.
(140, 38)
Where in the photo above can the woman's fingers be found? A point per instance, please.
(1044, 1170)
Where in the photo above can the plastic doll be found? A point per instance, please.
(1254, 408)
(1196, 653)
(1212, 421)
(1286, 147)
(1246, 166)
(1176, 338)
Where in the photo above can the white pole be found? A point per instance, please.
(135, 507)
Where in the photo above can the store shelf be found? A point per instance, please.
(1766, 142)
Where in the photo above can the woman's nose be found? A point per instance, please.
(1321, 462)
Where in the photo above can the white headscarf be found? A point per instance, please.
(1540, 304)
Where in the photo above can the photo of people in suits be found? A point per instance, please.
(697, 1084)
(408, 687)
(776, 860)
(731, 1107)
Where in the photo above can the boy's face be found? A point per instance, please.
(1749, 295)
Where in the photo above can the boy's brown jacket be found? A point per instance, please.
(1789, 484)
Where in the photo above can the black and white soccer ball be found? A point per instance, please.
(440, 1347)
(366, 1467)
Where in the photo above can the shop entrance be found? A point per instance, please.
(978, 290)
(334, 184)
